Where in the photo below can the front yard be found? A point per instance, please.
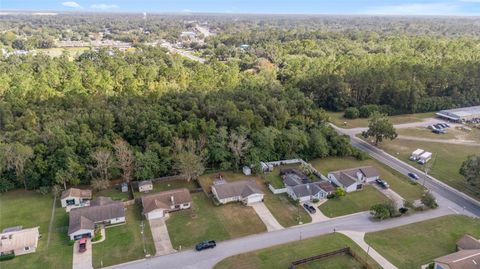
(125, 242)
(353, 202)
(30, 209)
(207, 221)
(281, 256)
(416, 244)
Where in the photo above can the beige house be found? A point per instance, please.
(245, 191)
(467, 256)
(157, 205)
(74, 197)
(145, 186)
(18, 241)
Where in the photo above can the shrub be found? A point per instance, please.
(366, 111)
(331, 196)
(408, 204)
(403, 210)
(44, 190)
(339, 192)
(7, 257)
(315, 200)
(360, 155)
(429, 200)
(380, 211)
(71, 242)
(351, 113)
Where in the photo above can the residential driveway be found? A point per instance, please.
(391, 194)
(318, 215)
(357, 237)
(160, 237)
(82, 260)
(267, 217)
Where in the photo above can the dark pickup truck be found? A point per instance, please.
(205, 245)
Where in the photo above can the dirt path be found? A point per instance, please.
(50, 225)
(445, 141)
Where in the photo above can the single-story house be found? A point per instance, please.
(145, 185)
(75, 197)
(158, 204)
(467, 256)
(18, 241)
(246, 191)
(354, 178)
(102, 210)
(300, 188)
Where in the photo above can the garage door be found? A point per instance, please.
(155, 214)
(254, 199)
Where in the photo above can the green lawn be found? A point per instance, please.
(281, 256)
(452, 133)
(353, 202)
(286, 213)
(30, 209)
(274, 177)
(56, 52)
(398, 182)
(124, 243)
(447, 160)
(168, 185)
(207, 221)
(113, 193)
(416, 244)
(338, 119)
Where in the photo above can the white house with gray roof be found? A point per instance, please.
(245, 191)
(300, 188)
(354, 178)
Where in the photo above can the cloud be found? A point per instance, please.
(71, 4)
(186, 10)
(104, 6)
(417, 9)
(470, 1)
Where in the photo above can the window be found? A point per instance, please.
(27, 248)
(177, 206)
(70, 201)
(185, 204)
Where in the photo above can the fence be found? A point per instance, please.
(299, 161)
(277, 191)
(338, 252)
(167, 178)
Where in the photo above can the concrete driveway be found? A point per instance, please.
(391, 194)
(161, 239)
(267, 217)
(318, 215)
(82, 260)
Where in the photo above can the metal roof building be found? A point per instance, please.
(460, 114)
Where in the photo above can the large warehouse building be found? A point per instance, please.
(460, 114)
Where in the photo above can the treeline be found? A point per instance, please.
(59, 120)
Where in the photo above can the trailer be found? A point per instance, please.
(416, 154)
(425, 157)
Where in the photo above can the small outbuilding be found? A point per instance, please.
(74, 197)
(124, 187)
(145, 186)
(247, 170)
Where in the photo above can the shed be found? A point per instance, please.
(124, 187)
(145, 186)
(246, 170)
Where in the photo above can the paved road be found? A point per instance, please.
(359, 222)
(446, 195)
(184, 53)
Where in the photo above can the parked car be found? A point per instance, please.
(82, 245)
(205, 245)
(438, 126)
(438, 131)
(383, 183)
(309, 208)
(414, 176)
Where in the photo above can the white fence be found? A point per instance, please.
(277, 191)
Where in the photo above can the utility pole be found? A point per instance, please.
(427, 166)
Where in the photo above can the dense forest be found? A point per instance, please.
(61, 119)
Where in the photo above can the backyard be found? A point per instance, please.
(281, 256)
(398, 182)
(31, 209)
(447, 160)
(166, 185)
(207, 221)
(338, 119)
(124, 242)
(416, 244)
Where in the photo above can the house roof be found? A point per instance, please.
(468, 242)
(308, 189)
(463, 259)
(165, 199)
(144, 183)
(19, 239)
(100, 209)
(326, 186)
(241, 188)
(348, 177)
(293, 177)
(74, 192)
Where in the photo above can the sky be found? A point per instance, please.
(376, 7)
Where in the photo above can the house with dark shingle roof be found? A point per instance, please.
(300, 188)
(74, 197)
(245, 191)
(467, 256)
(354, 178)
(103, 210)
(157, 205)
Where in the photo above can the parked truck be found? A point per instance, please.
(425, 157)
(416, 154)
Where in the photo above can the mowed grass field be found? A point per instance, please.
(287, 213)
(416, 244)
(398, 182)
(208, 221)
(30, 209)
(338, 119)
(447, 160)
(124, 242)
(281, 256)
(353, 202)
